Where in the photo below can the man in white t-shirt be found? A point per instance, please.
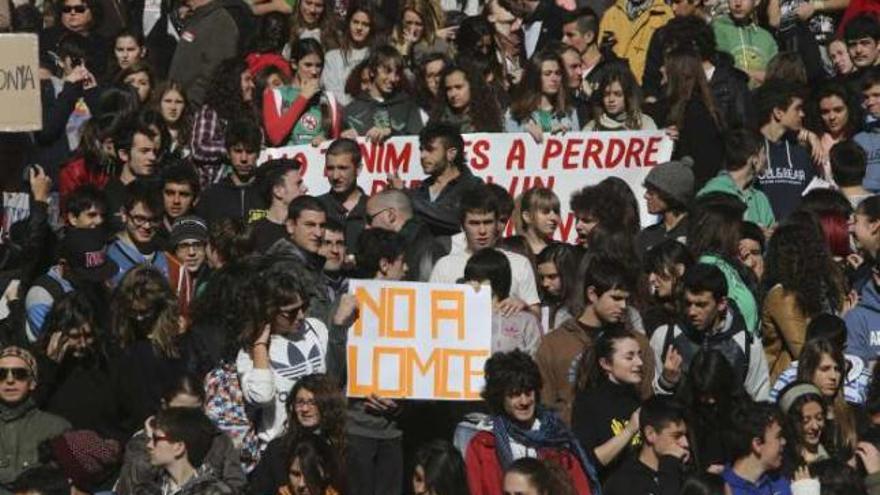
(479, 214)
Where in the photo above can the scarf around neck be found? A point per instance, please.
(552, 434)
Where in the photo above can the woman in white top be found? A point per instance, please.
(287, 347)
(354, 47)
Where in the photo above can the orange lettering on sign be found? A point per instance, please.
(383, 309)
(455, 313)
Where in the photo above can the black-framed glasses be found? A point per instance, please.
(370, 218)
(141, 220)
(79, 9)
(18, 374)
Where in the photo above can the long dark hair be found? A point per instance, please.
(72, 311)
(799, 261)
(687, 81)
(590, 373)
(321, 466)
(443, 467)
(844, 438)
(793, 426)
(853, 109)
(224, 91)
(708, 392)
(346, 44)
(632, 94)
(331, 406)
(527, 95)
(565, 258)
(482, 110)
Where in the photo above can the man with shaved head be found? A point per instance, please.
(392, 210)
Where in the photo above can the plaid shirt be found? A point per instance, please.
(208, 145)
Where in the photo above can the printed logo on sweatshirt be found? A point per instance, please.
(875, 338)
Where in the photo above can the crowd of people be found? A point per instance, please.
(174, 316)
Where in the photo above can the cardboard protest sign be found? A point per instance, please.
(418, 340)
(20, 83)
(564, 163)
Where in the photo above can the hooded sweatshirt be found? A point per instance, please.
(758, 209)
(751, 46)
(768, 484)
(399, 112)
(789, 171)
(226, 199)
(745, 354)
(863, 325)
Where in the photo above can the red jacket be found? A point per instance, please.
(76, 173)
(485, 476)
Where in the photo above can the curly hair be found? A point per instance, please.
(224, 92)
(147, 287)
(799, 261)
(229, 305)
(331, 406)
(509, 373)
(483, 110)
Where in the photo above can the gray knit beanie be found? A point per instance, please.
(674, 178)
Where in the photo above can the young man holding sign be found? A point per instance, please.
(479, 215)
(374, 455)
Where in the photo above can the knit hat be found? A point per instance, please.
(86, 458)
(188, 228)
(24, 355)
(675, 178)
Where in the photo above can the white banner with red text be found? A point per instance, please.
(563, 163)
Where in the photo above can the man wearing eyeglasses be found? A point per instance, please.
(392, 210)
(23, 427)
(187, 267)
(135, 245)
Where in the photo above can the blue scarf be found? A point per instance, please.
(552, 434)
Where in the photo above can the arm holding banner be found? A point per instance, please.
(343, 317)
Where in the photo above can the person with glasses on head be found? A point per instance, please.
(179, 440)
(134, 245)
(187, 268)
(23, 427)
(315, 406)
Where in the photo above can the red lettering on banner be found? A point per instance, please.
(594, 147)
(565, 226)
(653, 149)
(479, 157)
(369, 152)
(569, 157)
(616, 150)
(398, 162)
(636, 146)
(552, 150)
(517, 155)
(535, 181)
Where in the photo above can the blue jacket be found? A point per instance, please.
(127, 257)
(863, 325)
(768, 484)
